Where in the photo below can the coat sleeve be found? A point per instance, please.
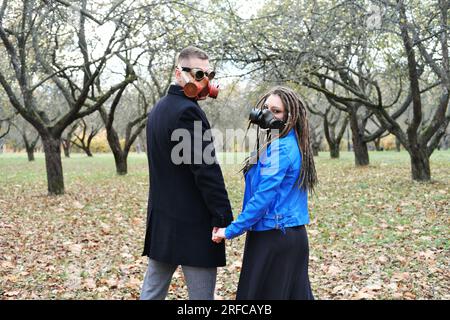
(207, 174)
(273, 169)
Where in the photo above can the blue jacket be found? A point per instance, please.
(272, 198)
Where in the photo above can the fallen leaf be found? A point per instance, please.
(76, 249)
(106, 229)
(11, 293)
(90, 283)
(364, 295)
(409, 295)
(333, 271)
(373, 287)
(400, 276)
(77, 205)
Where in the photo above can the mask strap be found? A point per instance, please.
(185, 77)
(257, 144)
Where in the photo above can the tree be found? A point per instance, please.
(331, 119)
(360, 68)
(28, 134)
(134, 126)
(37, 43)
(84, 138)
(312, 53)
(316, 135)
(421, 137)
(66, 139)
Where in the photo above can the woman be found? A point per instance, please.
(275, 210)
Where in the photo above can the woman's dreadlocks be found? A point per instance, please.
(296, 119)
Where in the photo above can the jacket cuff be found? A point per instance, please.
(219, 221)
(232, 231)
(228, 235)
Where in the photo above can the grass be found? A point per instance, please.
(374, 233)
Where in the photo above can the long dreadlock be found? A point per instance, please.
(296, 119)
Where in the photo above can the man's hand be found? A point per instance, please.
(218, 234)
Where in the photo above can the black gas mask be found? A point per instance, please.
(265, 119)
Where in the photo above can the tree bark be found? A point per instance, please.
(360, 150)
(315, 150)
(29, 146)
(30, 153)
(315, 145)
(359, 146)
(53, 164)
(420, 165)
(349, 148)
(88, 152)
(121, 163)
(334, 150)
(66, 148)
(377, 143)
(120, 157)
(86, 147)
(333, 139)
(397, 144)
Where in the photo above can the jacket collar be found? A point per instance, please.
(176, 89)
(291, 132)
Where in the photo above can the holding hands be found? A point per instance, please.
(218, 234)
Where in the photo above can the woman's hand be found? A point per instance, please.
(218, 235)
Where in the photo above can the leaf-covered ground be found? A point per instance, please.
(374, 234)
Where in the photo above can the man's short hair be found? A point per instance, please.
(192, 52)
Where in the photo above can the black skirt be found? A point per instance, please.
(275, 266)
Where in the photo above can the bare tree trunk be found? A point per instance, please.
(121, 163)
(30, 153)
(29, 146)
(397, 144)
(52, 150)
(315, 151)
(66, 147)
(420, 165)
(349, 148)
(120, 157)
(360, 150)
(86, 147)
(333, 139)
(315, 144)
(377, 143)
(359, 146)
(88, 152)
(334, 150)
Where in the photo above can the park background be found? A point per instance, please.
(78, 78)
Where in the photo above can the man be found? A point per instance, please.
(187, 199)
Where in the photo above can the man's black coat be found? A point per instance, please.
(185, 200)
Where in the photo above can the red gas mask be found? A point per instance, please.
(200, 89)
